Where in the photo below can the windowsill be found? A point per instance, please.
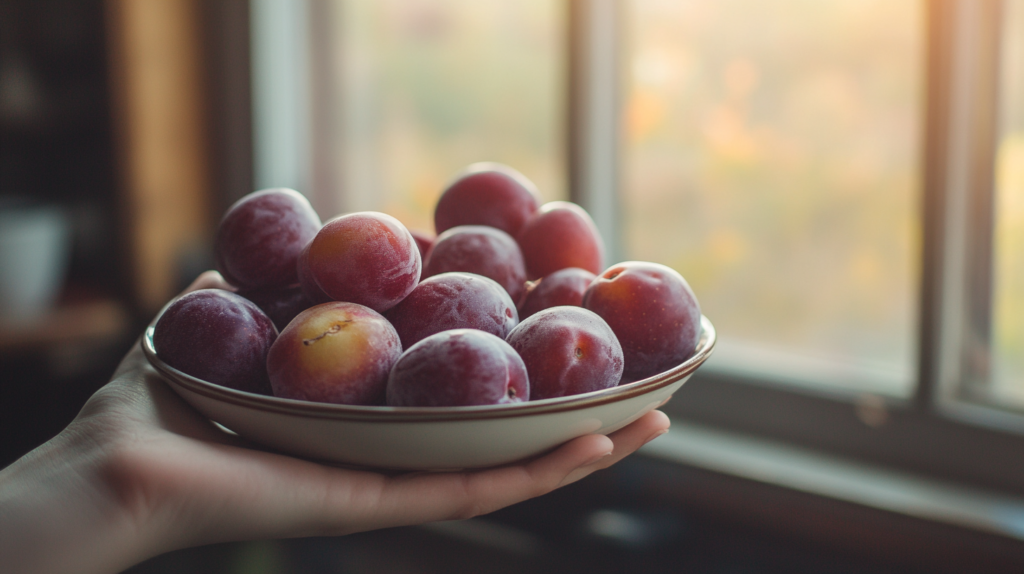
(832, 477)
(833, 376)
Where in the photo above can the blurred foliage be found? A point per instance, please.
(1008, 306)
(434, 85)
(773, 159)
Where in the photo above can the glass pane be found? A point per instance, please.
(1008, 304)
(430, 86)
(772, 158)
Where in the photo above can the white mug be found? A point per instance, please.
(34, 250)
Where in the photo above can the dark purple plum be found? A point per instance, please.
(567, 351)
(219, 337)
(307, 284)
(652, 311)
(563, 287)
(482, 250)
(453, 301)
(461, 367)
(336, 352)
(281, 305)
(487, 194)
(259, 238)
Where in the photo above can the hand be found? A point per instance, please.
(139, 473)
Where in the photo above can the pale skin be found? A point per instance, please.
(139, 473)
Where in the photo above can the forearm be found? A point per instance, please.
(56, 514)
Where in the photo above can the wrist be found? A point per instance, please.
(58, 513)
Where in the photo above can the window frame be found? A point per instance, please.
(944, 429)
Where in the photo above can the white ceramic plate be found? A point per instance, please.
(427, 438)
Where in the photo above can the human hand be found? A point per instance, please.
(139, 473)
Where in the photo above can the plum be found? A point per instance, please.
(561, 234)
(259, 238)
(281, 305)
(563, 287)
(487, 194)
(217, 336)
(424, 241)
(453, 301)
(652, 311)
(307, 283)
(336, 352)
(567, 351)
(482, 250)
(460, 367)
(367, 257)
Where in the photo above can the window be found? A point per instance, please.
(1008, 286)
(771, 155)
(841, 182)
(406, 94)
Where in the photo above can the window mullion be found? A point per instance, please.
(280, 92)
(959, 159)
(594, 112)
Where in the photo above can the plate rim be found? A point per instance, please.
(360, 413)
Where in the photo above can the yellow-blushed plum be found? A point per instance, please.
(335, 352)
(366, 257)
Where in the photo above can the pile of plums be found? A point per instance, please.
(509, 302)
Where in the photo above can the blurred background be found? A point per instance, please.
(841, 183)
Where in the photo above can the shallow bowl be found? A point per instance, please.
(427, 438)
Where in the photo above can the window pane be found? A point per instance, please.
(1008, 304)
(772, 158)
(428, 87)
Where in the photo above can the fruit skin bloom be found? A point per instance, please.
(567, 351)
(368, 258)
(458, 368)
(453, 301)
(652, 311)
(219, 337)
(487, 194)
(335, 352)
(560, 235)
(259, 238)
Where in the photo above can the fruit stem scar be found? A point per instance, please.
(335, 328)
(579, 353)
(511, 392)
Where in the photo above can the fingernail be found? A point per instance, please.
(654, 436)
(596, 459)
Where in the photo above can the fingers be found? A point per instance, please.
(427, 497)
(627, 440)
(464, 495)
(233, 494)
(208, 280)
